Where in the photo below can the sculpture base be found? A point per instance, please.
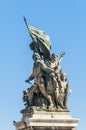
(46, 120)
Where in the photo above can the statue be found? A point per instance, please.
(40, 72)
(50, 90)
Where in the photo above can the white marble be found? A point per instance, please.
(47, 119)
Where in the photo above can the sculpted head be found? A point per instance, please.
(36, 56)
(54, 57)
(64, 76)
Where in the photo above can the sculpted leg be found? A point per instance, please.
(59, 99)
(47, 96)
(30, 93)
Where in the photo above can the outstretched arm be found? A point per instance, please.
(30, 78)
(61, 56)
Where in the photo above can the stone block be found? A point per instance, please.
(46, 120)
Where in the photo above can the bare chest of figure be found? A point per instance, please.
(63, 86)
(36, 69)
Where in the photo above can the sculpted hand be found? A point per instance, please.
(27, 80)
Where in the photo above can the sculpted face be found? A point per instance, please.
(54, 57)
(36, 56)
(64, 77)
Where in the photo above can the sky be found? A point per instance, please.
(65, 23)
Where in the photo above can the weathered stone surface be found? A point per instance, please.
(50, 89)
(46, 100)
(43, 120)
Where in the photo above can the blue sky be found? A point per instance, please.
(65, 22)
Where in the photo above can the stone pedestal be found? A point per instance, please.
(46, 120)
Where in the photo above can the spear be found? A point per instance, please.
(29, 29)
(25, 22)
